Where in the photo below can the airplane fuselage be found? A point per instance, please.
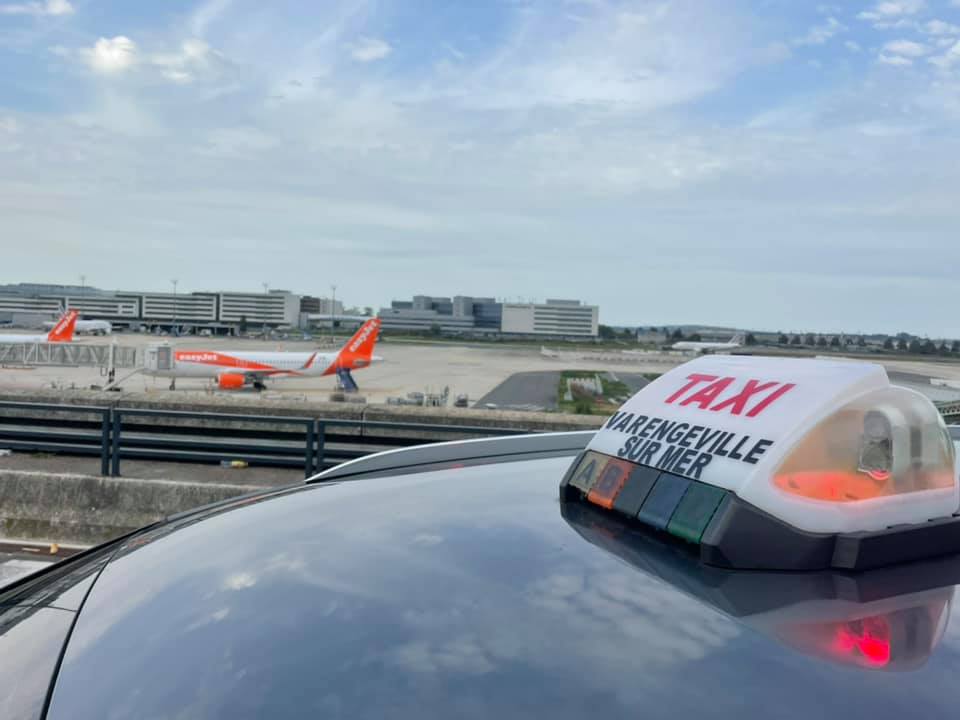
(234, 369)
(97, 327)
(704, 346)
(214, 363)
(11, 339)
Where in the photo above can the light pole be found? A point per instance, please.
(263, 311)
(83, 288)
(333, 310)
(173, 327)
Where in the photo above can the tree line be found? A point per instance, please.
(902, 342)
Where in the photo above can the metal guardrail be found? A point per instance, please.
(115, 433)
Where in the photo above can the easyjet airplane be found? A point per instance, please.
(61, 332)
(236, 369)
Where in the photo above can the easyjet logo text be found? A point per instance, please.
(62, 325)
(728, 394)
(198, 357)
(362, 337)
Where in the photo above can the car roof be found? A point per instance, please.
(468, 592)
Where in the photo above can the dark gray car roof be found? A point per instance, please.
(456, 593)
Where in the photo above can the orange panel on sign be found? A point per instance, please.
(610, 482)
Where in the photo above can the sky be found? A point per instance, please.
(768, 164)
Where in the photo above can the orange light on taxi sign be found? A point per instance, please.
(610, 483)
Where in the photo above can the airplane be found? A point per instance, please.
(707, 347)
(62, 332)
(95, 327)
(235, 370)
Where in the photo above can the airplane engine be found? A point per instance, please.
(230, 381)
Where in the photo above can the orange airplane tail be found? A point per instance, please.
(358, 351)
(63, 330)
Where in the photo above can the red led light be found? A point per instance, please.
(867, 640)
(835, 486)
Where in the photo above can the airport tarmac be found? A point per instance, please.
(472, 370)
(537, 391)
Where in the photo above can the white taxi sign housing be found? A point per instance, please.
(825, 446)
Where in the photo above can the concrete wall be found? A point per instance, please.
(84, 510)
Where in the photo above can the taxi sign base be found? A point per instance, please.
(742, 536)
(866, 550)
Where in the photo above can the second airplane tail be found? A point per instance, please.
(63, 330)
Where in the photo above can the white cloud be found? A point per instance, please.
(183, 65)
(948, 59)
(50, 7)
(370, 49)
(239, 581)
(906, 48)
(9, 125)
(617, 61)
(462, 655)
(895, 60)
(574, 137)
(206, 14)
(892, 9)
(852, 46)
(819, 34)
(939, 27)
(112, 55)
(118, 54)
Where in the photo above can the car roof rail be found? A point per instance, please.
(438, 456)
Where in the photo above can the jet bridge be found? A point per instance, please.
(68, 355)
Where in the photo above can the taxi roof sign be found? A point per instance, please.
(826, 448)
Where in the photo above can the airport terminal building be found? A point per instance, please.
(484, 316)
(226, 312)
(220, 312)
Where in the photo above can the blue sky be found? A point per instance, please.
(772, 164)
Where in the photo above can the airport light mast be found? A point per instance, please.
(333, 311)
(263, 313)
(173, 327)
